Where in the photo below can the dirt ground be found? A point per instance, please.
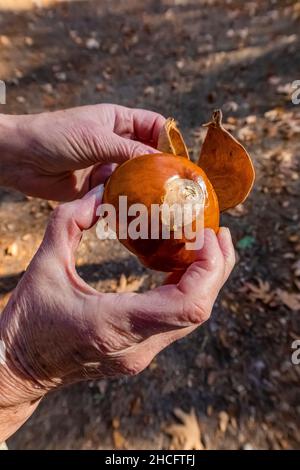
(181, 58)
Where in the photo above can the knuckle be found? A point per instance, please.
(229, 262)
(214, 262)
(132, 367)
(137, 150)
(198, 314)
(230, 256)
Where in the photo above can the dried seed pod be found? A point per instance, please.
(223, 177)
(167, 181)
(226, 163)
(171, 141)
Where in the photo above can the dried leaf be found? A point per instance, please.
(296, 268)
(223, 421)
(75, 37)
(53, 204)
(92, 43)
(47, 88)
(286, 89)
(5, 41)
(61, 76)
(119, 440)
(274, 114)
(289, 299)
(260, 291)
(100, 87)
(237, 211)
(185, 436)
(102, 386)
(113, 49)
(225, 340)
(12, 249)
(28, 41)
(226, 163)
(136, 406)
(129, 286)
(212, 377)
(116, 423)
(231, 106)
(171, 141)
(297, 284)
(149, 90)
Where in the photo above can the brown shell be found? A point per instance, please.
(171, 141)
(143, 180)
(227, 164)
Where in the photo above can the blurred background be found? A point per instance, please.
(231, 384)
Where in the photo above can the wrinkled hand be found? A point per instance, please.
(57, 329)
(62, 155)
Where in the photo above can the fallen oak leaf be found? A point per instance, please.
(53, 204)
(237, 211)
(223, 421)
(297, 284)
(12, 249)
(246, 134)
(260, 291)
(296, 268)
(289, 299)
(119, 440)
(185, 436)
(129, 286)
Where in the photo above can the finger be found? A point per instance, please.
(130, 360)
(119, 149)
(100, 174)
(85, 181)
(209, 267)
(136, 358)
(227, 248)
(173, 278)
(225, 243)
(69, 220)
(189, 302)
(139, 124)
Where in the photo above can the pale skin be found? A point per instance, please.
(56, 329)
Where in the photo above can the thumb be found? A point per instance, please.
(69, 220)
(119, 149)
(207, 273)
(186, 303)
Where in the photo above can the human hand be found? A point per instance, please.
(62, 155)
(57, 330)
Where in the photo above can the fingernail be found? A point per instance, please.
(209, 233)
(224, 231)
(98, 191)
(149, 151)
